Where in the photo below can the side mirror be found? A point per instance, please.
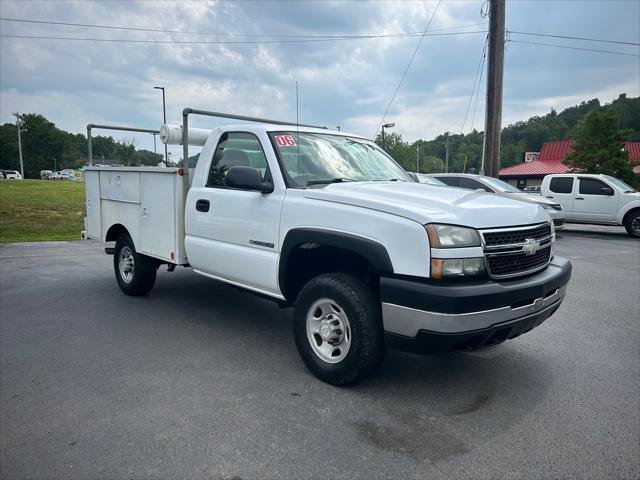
(607, 190)
(247, 178)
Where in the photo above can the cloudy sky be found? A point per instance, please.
(341, 82)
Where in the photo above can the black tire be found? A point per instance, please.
(633, 219)
(143, 274)
(362, 310)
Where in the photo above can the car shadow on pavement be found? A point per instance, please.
(513, 376)
(609, 234)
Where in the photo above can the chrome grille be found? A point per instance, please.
(517, 263)
(514, 236)
(512, 252)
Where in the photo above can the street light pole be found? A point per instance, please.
(164, 116)
(18, 121)
(386, 125)
(417, 158)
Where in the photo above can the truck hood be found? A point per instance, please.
(432, 204)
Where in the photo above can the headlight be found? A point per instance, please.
(545, 206)
(456, 267)
(450, 236)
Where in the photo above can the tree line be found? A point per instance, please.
(465, 150)
(47, 147)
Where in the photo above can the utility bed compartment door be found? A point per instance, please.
(120, 186)
(158, 233)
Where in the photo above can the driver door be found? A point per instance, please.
(233, 233)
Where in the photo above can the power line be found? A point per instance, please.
(221, 42)
(475, 80)
(575, 48)
(250, 35)
(407, 69)
(567, 37)
(475, 107)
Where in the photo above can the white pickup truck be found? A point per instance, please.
(326, 222)
(595, 199)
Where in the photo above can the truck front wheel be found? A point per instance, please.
(338, 328)
(632, 224)
(135, 273)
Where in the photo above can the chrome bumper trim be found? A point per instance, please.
(408, 321)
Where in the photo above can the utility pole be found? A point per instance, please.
(18, 124)
(446, 153)
(493, 112)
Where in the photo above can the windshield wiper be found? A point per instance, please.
(329, 180)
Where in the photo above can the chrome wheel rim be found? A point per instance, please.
(635, 225)
(126, 264)
(328, 330)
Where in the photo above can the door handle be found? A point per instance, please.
(202, 205)
(548, 196)
(579, 198)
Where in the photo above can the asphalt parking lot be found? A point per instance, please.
(201, 380)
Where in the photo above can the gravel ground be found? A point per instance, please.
(201, 380)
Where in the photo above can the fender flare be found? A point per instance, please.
(633, 205)
(375, 253)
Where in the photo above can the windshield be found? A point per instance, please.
(319, 159)
(502, 186)
(620, 184)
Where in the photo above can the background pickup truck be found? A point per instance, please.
(597, 199)
(328, 223)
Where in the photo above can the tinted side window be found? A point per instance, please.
(589, 186)
(561, 184)
(236, 149)
(451, 181)
(472, 184)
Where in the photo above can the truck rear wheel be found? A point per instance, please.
(338, 328)
(135, 273)
(632, 224)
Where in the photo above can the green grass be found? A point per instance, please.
(40, 210)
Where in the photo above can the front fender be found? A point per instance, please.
(626, 208)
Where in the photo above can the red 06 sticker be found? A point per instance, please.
(285, 141)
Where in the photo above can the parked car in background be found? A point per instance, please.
(44, 174)
(55, 176)
(596, 199)
(532, 189)
(429, 180)
(499, 187)
(12, 175)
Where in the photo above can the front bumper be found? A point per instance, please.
(437, 317)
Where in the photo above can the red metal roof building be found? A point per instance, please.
(550, 161)
(634, 154)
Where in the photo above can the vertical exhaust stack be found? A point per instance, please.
(172, 135)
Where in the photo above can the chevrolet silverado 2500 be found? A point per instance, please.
(328, 223)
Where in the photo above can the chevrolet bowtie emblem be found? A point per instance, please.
(530, 246)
